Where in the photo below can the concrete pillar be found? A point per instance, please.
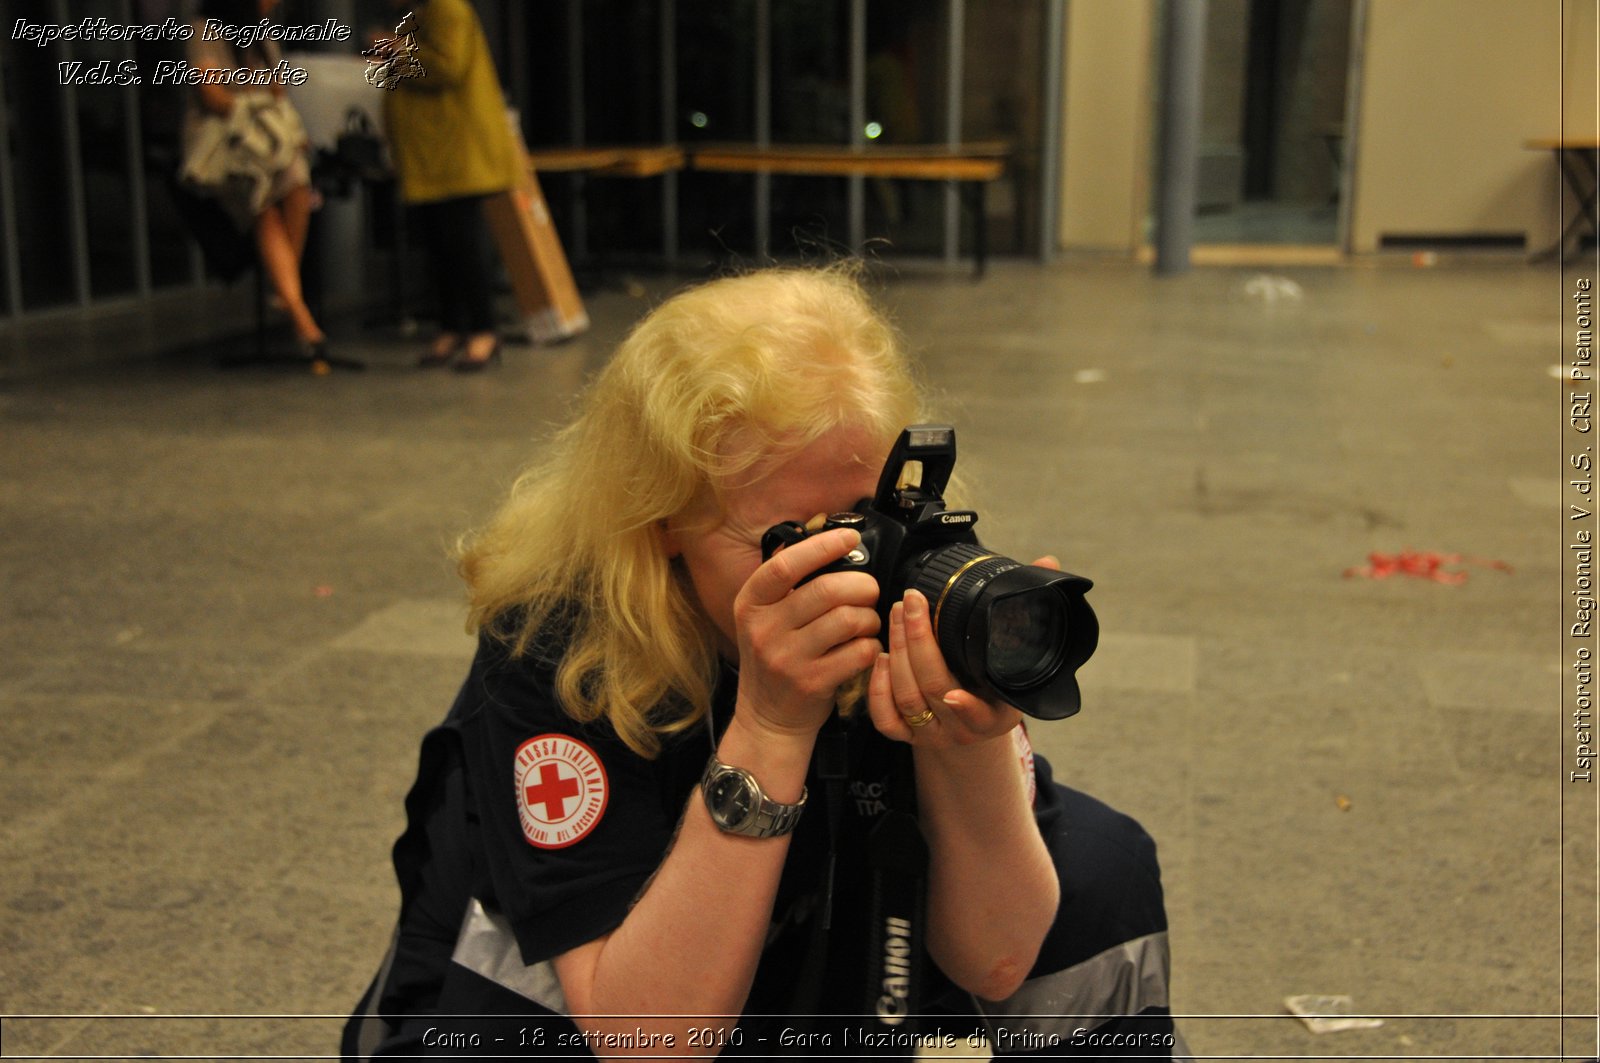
(1182, 68)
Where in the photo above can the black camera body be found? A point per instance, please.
(1008, 631)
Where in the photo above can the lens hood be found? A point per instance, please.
(1009, 631)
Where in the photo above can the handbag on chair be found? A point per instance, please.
(234, 158)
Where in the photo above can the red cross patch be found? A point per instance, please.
(561, 790)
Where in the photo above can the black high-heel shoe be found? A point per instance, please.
(466, 364)
(317, 358)
(315, 353)
(437, 358)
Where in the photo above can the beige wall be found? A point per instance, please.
(1450, 90)
(1105, 143)
(1581, 22)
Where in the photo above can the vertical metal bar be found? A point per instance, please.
(955, 62)
(669, 128)
(1182, 75)
(517, 55)
(10, 237)
(858, 119)
(1055, 47)
(575, 70)
(1351, 147)
(763, 126)
(575, 106)
(197, 259)
(72, 151)
(133, 154)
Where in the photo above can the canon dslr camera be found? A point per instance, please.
(1008, 631)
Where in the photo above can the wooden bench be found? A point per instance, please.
(645, 161)
(973, 165)
(917, 162)
(618, 160)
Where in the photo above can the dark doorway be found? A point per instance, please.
(1273, 125)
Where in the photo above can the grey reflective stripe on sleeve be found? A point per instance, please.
(1123, 980)
(488, 948)
(370, 1028)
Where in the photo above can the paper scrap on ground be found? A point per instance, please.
(1328, 1014)
(1270, 289)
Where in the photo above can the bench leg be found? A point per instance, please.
(974, 193)
(1579, 167)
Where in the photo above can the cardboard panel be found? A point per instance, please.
(541, 280)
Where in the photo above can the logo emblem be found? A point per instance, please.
(1024, 748)
(561, 790)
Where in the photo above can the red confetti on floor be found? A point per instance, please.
(1440, 568)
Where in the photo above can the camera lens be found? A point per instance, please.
(1008, 630)
(1026, 632)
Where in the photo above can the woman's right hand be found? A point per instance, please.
(796, 645)
(799, 644)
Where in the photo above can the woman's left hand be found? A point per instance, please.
(912, 696)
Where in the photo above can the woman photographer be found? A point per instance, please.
(575, 855)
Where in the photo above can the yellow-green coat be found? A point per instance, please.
(448, 131)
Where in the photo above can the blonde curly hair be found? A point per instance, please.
(780, 356)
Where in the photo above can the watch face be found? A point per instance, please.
(731, 798)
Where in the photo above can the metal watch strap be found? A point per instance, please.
(769, 818)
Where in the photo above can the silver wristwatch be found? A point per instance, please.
(737, 805)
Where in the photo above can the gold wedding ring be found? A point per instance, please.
(920, 719)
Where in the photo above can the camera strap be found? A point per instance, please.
(897, 864)
(833, 773)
